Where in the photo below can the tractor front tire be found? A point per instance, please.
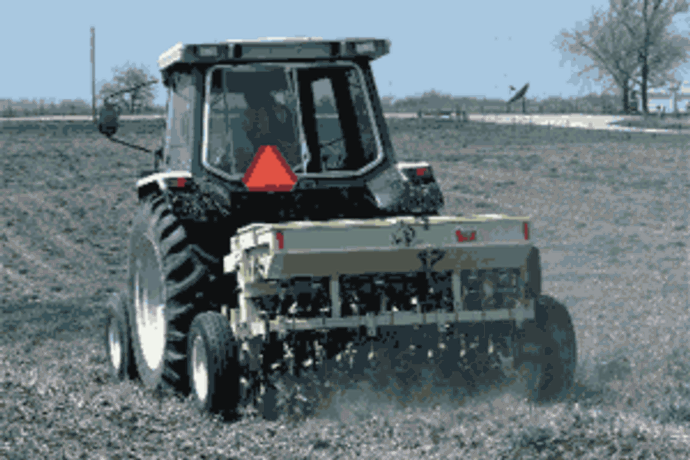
(213, 364)
(546, 352)
(118, 339)
(167, 271)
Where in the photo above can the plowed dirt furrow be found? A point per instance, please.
(102, 199)
(118, 199)
(54, 173)
(23, 247)
(41, 199)
(22, 285)
(16, 278)
(50, 229)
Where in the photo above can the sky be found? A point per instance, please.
(457, 47)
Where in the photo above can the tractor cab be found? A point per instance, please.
(314, 100)
(297, 115)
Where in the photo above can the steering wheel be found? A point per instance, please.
(334, 153)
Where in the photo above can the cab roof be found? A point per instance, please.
(273, 49)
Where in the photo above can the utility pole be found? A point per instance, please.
(93, 74)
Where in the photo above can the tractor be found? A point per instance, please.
(278, 231)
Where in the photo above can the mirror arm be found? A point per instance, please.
(144, 149)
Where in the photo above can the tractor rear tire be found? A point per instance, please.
(213, 364)
(546, 351)
(167, 272)
(118, 339)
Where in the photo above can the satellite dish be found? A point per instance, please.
(519, 94)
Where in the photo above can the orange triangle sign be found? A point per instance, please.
(269, 172)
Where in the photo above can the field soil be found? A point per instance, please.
(609, 213)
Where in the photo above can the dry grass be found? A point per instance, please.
(610, 216)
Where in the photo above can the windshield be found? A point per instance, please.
(317, 116)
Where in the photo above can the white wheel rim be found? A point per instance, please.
(150, 306)
(114, 345)
(199, 368)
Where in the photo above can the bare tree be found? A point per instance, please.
(110, 92)
(658, 52)
(601, 47)
(129, 76)
(613, 47)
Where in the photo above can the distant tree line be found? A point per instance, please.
(41, 107)
(432, 101)
(429, 101)
(137, 100)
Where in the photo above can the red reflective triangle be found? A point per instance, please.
(269, 172)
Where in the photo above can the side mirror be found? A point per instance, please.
(108, 119)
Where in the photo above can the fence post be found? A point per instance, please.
(93, 74)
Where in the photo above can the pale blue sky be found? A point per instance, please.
(470, 48)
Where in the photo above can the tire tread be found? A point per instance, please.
(185, 275)
(222, 366)
(552, 320)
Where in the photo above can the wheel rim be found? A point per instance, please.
(199, 368)
(150, 306)
(114, 345)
